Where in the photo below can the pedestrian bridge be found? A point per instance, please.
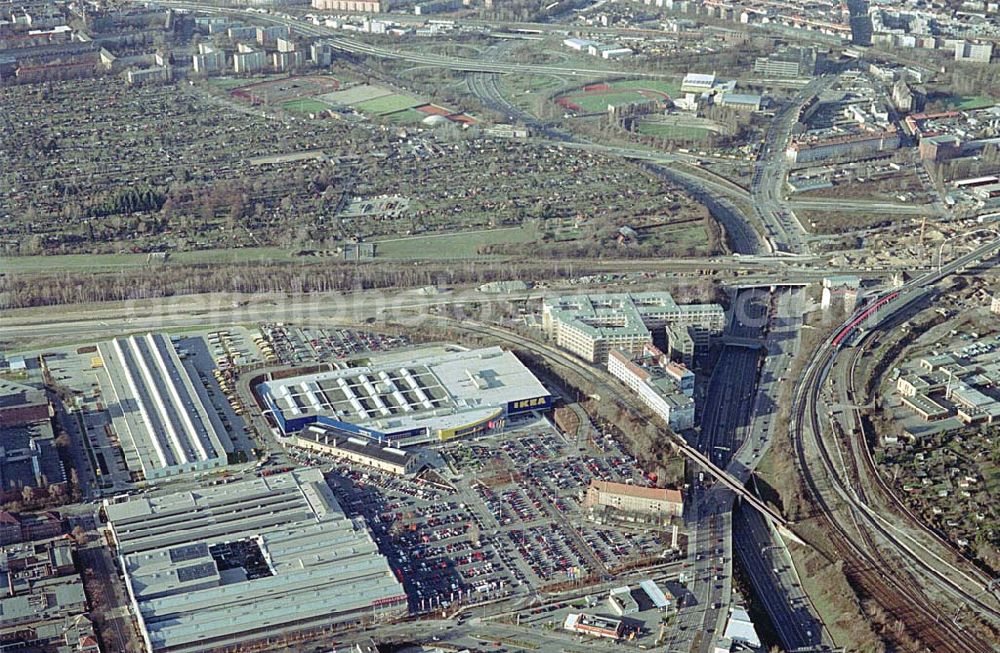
(746, 343)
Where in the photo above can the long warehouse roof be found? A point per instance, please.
(267, 554)
(163, 414)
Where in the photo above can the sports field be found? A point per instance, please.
(680, 132)
(433, 110)
(355, 94)
(387, 104)
(595, 98)
(285, 89)
(305, 106)
(673, 89)
(406, 116)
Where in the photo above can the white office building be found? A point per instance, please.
(658, 389)
(590, 326)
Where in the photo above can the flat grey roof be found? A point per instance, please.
(13, 394)
(622, 314)
(230, 562)
(329, 437)
(159, 412)
(390, 396)
(28, 453)
(925, 404)
(48, 599)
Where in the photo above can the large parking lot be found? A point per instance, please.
(508, 522)
(291, 345)
(437, 545)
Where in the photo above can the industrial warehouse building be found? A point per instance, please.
(269, 558)
(28, 454)
(162, 417)
(741, 101)
(698, 83)
(808, 149)
(590, 326)
(947, 385)
(435, 397)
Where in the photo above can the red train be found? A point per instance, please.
(868, 311)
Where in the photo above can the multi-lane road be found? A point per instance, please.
(760, 547)
(716, 193)
(724, 414)
(736, 423)
(784, 232)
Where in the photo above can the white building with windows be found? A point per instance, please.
(661, 390)
(208, 60)
(591, 326)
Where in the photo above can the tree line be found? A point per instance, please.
(72, 287)
(132, 199)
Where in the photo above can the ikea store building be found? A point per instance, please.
(431, 398)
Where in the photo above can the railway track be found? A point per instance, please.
(605, 386)
(862, 447)
(869, 570)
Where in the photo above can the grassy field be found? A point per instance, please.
(456, 245)
(624, 92)
(305, 106)
(406, 116)
(519, 82)
(387, 104)
(839, 222)
(673, 89)
(688, 236)
(663, 130)
(437, 246)
(968, 102)
(90, 262)
(451, 49)
(354, 94)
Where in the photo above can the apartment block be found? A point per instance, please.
(591, 326)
